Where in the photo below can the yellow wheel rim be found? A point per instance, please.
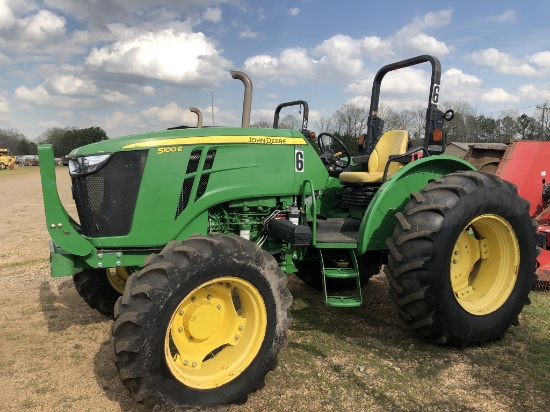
(484, 264)
(117, 278)
(215, 333)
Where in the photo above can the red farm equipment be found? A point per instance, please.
(526, 164)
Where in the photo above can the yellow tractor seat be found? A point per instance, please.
(391, 143)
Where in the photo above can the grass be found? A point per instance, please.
(25, 170)
(336, 359)
(365, 359)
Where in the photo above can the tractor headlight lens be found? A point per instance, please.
(87, 164)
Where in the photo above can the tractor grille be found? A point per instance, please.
(105, 200)
(187, 187)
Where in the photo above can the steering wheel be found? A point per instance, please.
(329, 156)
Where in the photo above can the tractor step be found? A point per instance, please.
(344, 301)
(353, 297)
(340, 273)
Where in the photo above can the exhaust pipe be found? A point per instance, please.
(247, 103)
(199, 116)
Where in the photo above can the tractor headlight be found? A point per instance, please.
(87, 164)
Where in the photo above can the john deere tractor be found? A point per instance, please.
(186, 235)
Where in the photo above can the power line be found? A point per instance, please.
(514, 108)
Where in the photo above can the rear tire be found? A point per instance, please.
(462, 259)
(202, 323)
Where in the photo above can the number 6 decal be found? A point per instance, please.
(298, 160)
(435, 94)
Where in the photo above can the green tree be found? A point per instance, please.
(262, 124)
(486, 129)
(53, 136)
(10, 139)
(528, 127)
(66, 139)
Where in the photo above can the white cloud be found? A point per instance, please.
(70, 85)
(47, 124)
(294, 11)
(183, 58)
(247, 33)
(4, 60)
(291, 65)
(533, 93)
(4, 106)
(342, 58)
(507, 17)
(42, 27)
(427, 44)
(412, 39)
(362, 86)
(498, 95)
(40, 97)
(213, 14)
(501, 62)
(119, 124)
(171, 113)
(149, 90)
(459, 86)
(114, 96)
(541, 59)
(7, 19)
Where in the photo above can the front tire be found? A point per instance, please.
(462, 259)
(202, 323)
(100, 289)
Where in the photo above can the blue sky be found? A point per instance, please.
(133, 66)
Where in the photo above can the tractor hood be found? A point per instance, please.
(183, 137)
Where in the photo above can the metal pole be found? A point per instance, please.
(212, 108)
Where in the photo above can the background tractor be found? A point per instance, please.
(185, 237)
(6, 160)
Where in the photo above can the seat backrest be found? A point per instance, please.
(390, 143)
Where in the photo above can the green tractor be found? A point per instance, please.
(186, 235)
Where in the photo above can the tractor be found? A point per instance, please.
(186, 237)
(6, 160)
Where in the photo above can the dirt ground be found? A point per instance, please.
(55, 353)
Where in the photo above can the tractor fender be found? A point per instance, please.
(378, 221)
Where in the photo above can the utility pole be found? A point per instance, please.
(212, 108)
(542, 119)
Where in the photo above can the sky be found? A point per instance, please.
(137, 66)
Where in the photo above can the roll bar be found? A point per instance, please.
(434, 117)
(305, 114)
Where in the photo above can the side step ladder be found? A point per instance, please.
(342, 301)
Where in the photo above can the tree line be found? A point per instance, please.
(468, 125)
(63, 140)
(347, 123)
